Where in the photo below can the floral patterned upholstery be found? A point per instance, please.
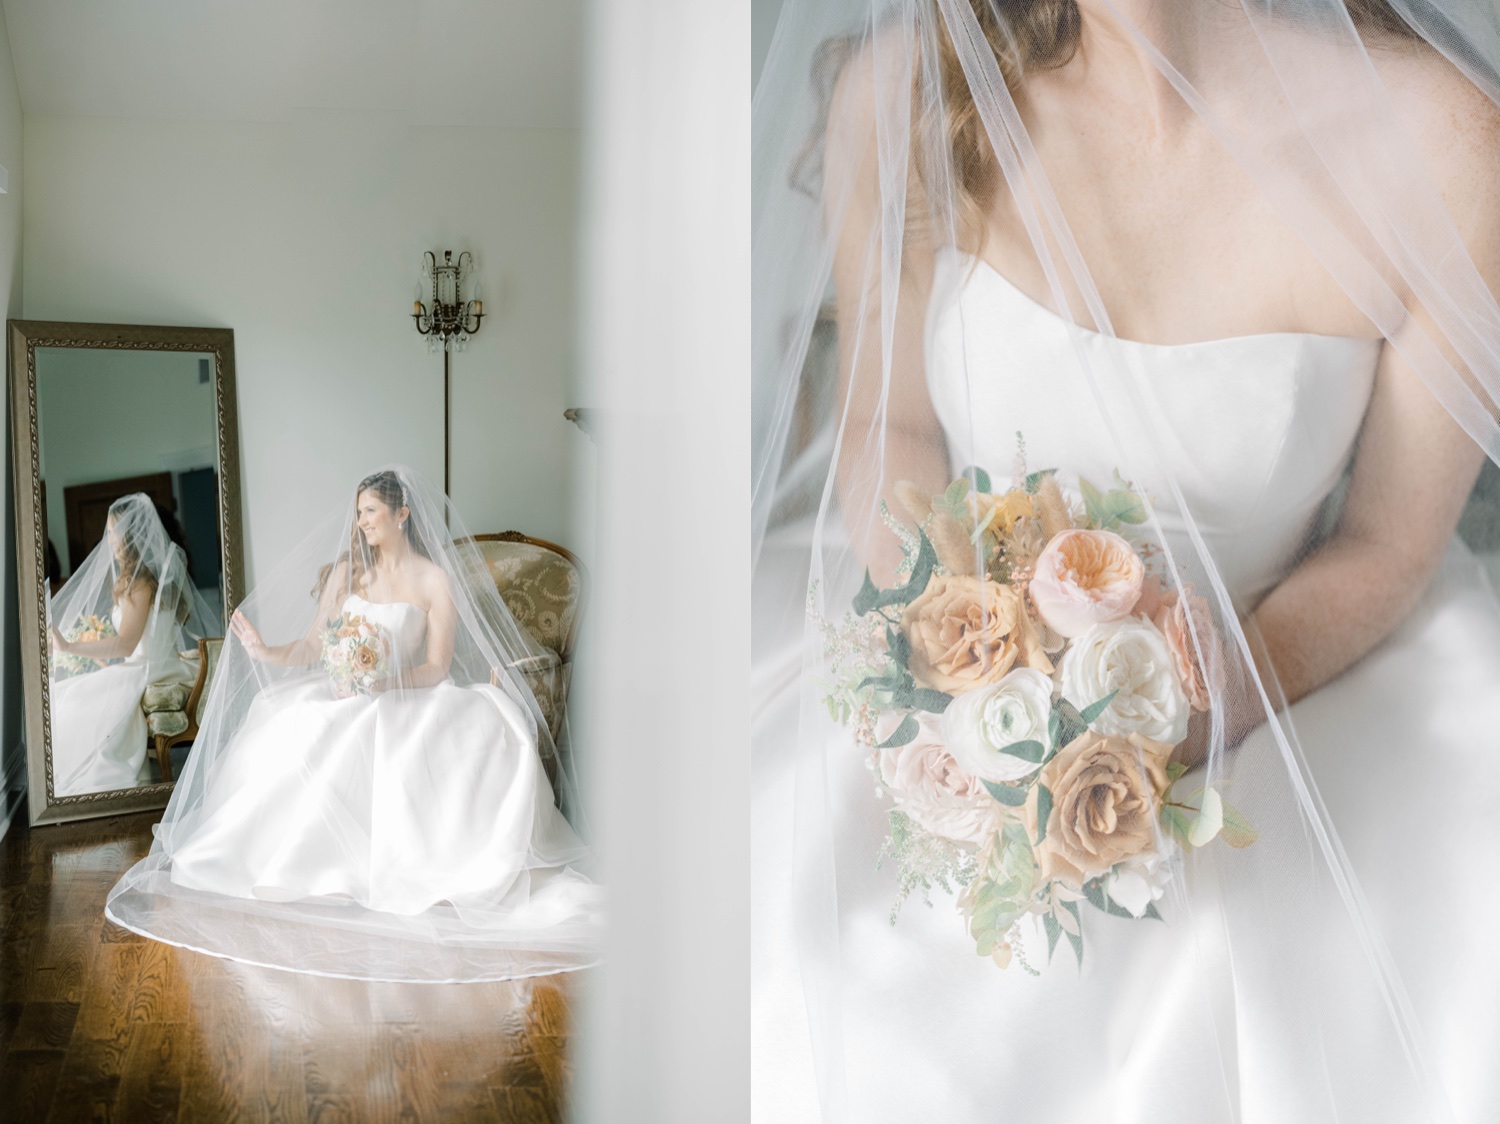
(542, 586)
(167, 704)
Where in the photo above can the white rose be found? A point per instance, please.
(927, 784)
(1130, 658)
(979, 724)
(1137, 882)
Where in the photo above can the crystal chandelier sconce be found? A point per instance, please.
(451, 319)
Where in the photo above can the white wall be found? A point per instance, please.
(305, 238)
(11, 705)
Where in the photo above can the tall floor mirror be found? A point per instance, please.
(130, 559)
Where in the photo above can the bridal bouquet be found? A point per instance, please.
(1020, 692)
(86, 628)
(356, 653)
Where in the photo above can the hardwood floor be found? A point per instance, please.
(98, 1024)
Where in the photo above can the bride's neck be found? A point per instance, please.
(1115, 56)
(392, 558)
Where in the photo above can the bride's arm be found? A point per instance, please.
(913, 444)
(135, 610)
(442, 627)
(304, 651)
(1412, 473)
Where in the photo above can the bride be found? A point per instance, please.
(1243, 256)
(367, 798)
(117, 627)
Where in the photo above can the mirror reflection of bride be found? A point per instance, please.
(117, 626)
(367, 797)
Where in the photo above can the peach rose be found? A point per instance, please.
(1106, 792)
(1172, 619)
(927, 784)
(966, 632)
(365, 658)
(1085, 578)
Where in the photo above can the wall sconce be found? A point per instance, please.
(451, 320)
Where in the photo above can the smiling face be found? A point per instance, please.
(378, 521)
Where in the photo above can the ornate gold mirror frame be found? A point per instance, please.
(25, 337)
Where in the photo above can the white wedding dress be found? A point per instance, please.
(321, 797)
(98, 727)
(1258, 431)
(410, 835)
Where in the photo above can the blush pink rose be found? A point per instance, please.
(1085, 578)
(1199, 664)
(929, 786)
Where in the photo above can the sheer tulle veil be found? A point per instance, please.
(958, 457)
(502, 929)
(136, 561)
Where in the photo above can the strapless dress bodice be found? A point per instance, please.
(403, 622)
(1255, 430)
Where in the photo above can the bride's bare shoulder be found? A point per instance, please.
(433, 579)
(1455, 126)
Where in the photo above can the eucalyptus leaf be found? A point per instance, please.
(1054, 933)
(1151, 913)
(867, 598)
(935, 702)
(1176, 824)
(1043, 810)
(1032, 751)
(1054, 729)
(1175, 769)
(1006, 794)
(903, 735)
(1034, 479)
(956, 492)
(1125, 506)
(1237, 831)
(1093, 711)
(1075, 939)
(979, 477)
(1098, 897)
(1093, 503)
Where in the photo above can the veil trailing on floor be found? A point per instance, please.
(369, 793)
(136, 580)
(1110, 598)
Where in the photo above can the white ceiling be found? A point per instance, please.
(516, 63)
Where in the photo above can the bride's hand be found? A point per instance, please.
(56, 641)
(254, 646)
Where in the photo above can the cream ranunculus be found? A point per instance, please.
(929, 786)
(1131, 659)
(1085, 578)
(1106, 792)
(979, 724)
(966, 632)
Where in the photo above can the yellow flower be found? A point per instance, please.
(998, 513)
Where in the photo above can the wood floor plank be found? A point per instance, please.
(29, 1078)
(45, 1026)
(99, 1024)
(151, 1081)
(88, 1084)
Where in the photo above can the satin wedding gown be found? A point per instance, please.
(1258, 431)
(98, 727)
(327, 799)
